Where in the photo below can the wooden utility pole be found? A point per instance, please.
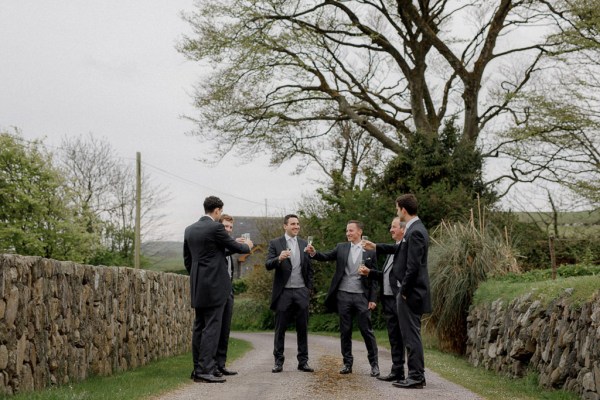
(552, 255)
(138, 205)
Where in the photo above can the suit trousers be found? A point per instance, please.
(390, 313)
(205, 338)
(221, 356)
(410, 326)
(350, 304)
(292, 304)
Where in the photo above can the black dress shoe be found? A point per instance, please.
(374, 370)
(193, 375)
(277, 368)
(346, 370)
(217, 373)
(391, 377)
(226, 372)
(410, 383)
(305, 367)
(209, 378)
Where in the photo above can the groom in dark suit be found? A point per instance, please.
(204, 246)
(292, 285)
(410, 280)
(351, 294)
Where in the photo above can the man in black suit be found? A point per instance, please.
(390, 309)
(351, 293)
(221, 357)
(292, 285)
(204, 246)
(410, 278)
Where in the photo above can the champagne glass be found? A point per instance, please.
(364, 239)
(309, 240)
(246, 236)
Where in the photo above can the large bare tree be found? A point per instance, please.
(285, 73)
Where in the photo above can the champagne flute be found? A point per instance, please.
(309, 240)
(246, 236)
(364, 239)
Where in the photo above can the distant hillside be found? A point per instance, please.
(570, 224)
(164, 256)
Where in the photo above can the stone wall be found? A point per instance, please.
(561, 342)
(61, 322)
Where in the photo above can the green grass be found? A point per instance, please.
(150, 380)
(485, 383)
(584, 287)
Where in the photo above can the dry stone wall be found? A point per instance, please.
(61, 322)
(560, 341)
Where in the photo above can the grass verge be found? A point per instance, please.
(150, 380)
(486, 384)
(583, 289)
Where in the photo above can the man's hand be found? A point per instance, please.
(310, 250)
(372, 305)
(284, 254)
(368, 245)
(363, 270)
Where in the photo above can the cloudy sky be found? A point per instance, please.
(110, 68)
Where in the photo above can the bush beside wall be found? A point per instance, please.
(62, 322)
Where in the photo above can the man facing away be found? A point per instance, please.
(351, 293)
(390, 310)
(292, 285)
(204, 246)
(410, 278)
(221, 357)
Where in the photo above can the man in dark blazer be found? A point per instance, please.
(204, 246)
(390, 309)
(410, 278)
(221, 357)
(351, 293)
(292, 286)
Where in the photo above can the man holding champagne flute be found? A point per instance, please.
(292, 286)
(352, 294)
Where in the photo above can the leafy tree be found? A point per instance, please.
(37, 213)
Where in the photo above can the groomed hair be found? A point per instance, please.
(287, 218)
(409, 203)
(359, 224)
(226, 217)
(211, 203)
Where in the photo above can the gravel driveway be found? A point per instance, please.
(256, 381)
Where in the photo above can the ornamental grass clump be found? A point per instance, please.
(462, 256)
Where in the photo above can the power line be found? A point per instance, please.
(185, 180)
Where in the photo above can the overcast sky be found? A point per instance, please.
(110, 68)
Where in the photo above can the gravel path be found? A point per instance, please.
(256, 381)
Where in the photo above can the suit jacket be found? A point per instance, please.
(377, 275)
(340, 255)
(283, 270)
(410, 267)
(204, 246)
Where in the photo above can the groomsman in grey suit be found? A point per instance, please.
(292, 286)
(351, 294)
(388, 300)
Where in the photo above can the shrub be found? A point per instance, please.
(239, 286)
(463, 255)
(249, 314)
